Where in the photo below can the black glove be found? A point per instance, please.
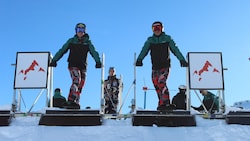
(98, 65)
(53, 64)
(138, 63)
(184, 63)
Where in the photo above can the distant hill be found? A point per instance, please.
(242, 104)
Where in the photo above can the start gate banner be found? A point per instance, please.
(31, 70)
(205, 70)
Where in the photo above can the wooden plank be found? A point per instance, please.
(70, 120)
(116, 116)
(72, 111)
(171, 118)
(71, 117)
(5, 117)
(238, 117)
(176, 112)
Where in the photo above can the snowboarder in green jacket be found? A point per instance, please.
(160, 45)
(78, 46)
(210, 101)
(58, 99)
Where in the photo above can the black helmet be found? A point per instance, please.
(157, 22)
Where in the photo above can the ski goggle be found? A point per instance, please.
(157, 28)
(80, 29)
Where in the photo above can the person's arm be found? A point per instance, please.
(200, 108)
(62, 51)
(117, 86)
(175, 50)
(143, 53)
(94, 54)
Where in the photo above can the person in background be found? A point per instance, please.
(111, 91)
(78, 46)
(58, 99)
(210, 101)
(160, 45)
(179, 100)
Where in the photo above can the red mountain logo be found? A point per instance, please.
(204, 69)
(32, 67)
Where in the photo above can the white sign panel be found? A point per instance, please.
(31, 70)
(205, 70)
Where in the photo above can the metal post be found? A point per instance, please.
(50, 86)
(222, 104)
(188, 99)
(120, 94)
(19, 101)
(134, 101)
(14, 102)
(145, 95)
(102, 84)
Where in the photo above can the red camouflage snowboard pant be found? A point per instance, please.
(78, 79)
(159, 78)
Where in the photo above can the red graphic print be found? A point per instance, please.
(204, 69)
(32, 67)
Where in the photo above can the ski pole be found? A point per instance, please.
(201, 102)
(109, 97)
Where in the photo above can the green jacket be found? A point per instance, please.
(78, 52)
(211, 97)
(56, 97)
(210, 101)
(159, 47)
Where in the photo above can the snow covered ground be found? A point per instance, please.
(27, 129)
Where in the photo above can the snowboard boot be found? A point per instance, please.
(168, 107)
(71, 105)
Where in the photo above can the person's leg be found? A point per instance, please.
(159, 78)
(82, 81)
(115, 102)
(108, 106)
(78, 79)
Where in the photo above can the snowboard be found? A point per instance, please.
(71, 106)
(164, 109)
(166, 116)
(71, 117)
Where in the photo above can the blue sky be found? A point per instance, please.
(119, 29)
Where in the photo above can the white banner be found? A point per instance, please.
(31, 70)
(205, 70)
